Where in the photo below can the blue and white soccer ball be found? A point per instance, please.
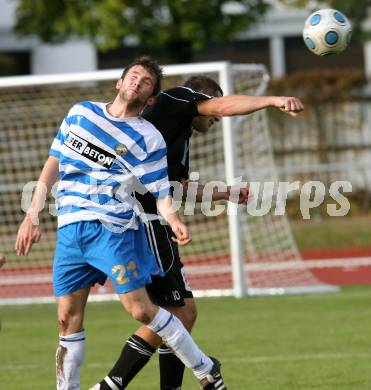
(327, 31)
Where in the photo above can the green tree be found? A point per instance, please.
(356, 10)
(180, 26)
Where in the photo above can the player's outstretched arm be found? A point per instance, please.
(29, 230)
(166, 208)
(244, 105)
(235, 194)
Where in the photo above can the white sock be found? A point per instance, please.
(175, 335)
(69, 358)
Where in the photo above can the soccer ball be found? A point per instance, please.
(327, 31)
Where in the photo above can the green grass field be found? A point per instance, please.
(332, 233)
(293, 342)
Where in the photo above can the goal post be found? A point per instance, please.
(235, 234)
(232, 253)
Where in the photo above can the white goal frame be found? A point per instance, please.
(239, 268)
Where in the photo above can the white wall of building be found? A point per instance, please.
(7, 14)
(278, 23)
(72, 56)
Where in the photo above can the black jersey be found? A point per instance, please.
(172, 115)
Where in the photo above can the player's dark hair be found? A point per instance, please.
(203, 84)
(152, 66)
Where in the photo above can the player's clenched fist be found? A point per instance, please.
(291, 105)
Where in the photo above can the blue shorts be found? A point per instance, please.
(87, 253)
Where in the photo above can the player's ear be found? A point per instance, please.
(151, 100)
(118, 84)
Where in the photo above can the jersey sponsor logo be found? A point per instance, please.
(121, 149)
(89, 150)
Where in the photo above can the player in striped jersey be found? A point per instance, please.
(176, 114)
(99, 152)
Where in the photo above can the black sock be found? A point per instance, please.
(171, 369)
(134, 356)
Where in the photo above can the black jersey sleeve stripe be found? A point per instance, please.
(173, 97)
(197, 92)
(185, 94)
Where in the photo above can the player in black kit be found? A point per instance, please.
(177, 112)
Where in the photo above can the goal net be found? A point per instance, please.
(232, 252)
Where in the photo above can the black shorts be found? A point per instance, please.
(171, 289)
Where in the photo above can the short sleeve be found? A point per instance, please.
(59, 139)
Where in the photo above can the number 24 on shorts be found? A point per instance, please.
(122, 276)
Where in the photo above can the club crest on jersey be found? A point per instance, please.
(89, 150)
(121, 149)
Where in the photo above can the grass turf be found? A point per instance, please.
(269, 343)
(332, 233)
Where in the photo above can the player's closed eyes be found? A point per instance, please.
(146, 81)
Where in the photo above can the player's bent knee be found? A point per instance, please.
(189, 315)
(142, 314)
(69, 321)
(189, 318)
(192, 316)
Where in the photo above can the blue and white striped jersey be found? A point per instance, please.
(100, 160)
